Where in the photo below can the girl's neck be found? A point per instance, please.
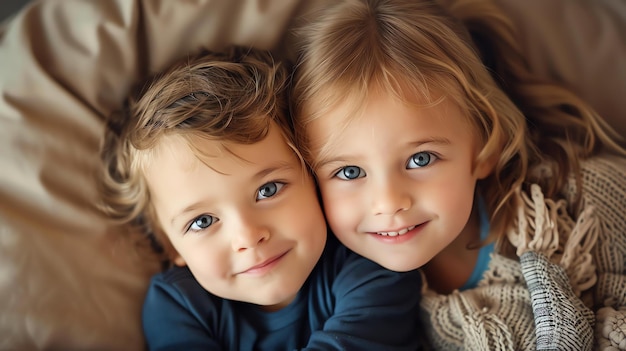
(453, 266)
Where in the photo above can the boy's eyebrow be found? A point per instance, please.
(279, 166)
(185, 210)
(341, 158)
(258, 175)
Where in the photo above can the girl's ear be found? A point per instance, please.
(485, 167)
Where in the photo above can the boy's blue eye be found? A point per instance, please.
(350, 172)
(202, 222)
(420, 159)
(268, 190)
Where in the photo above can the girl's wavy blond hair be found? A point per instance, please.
(231, 96)
(419, 50)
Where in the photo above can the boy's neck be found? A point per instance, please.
(453, 266)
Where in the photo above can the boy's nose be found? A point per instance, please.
(248, 235)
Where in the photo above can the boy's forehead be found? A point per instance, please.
(224, 156)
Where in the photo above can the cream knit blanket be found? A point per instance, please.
(567, 290)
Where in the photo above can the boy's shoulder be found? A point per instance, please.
(177, 289)
(178, 285)
(177, 277)
(173, 275)
(342, 268)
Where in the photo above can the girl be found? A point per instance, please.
(506, 191)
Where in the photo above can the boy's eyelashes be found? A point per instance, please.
(201, 223)
(205, 220)
(269, 189)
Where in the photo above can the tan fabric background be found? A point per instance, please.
(581, 43)
(68, 279)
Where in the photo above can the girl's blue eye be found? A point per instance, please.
(202, 222)
(420, 159)
(350, 172)
(268, 190)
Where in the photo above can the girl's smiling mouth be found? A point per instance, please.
(400, 232)
(399, 236)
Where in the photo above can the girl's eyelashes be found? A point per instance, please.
(421, 159)
(350, 173)
(268, 190)
(201, 222)
(417, 160)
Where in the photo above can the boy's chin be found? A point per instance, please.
(277, 302)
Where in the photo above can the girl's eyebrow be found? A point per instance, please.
(441, 141)
(433, 140)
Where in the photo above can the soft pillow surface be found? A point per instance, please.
(70, 279)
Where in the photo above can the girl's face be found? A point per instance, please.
(249, 227)
(398, 181)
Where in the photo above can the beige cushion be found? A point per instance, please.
(581, 43)
(71, 280)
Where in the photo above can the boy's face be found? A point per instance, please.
(397, 182)
(249, 227)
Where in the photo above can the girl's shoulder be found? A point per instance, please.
(602, 200)
(606, 165)
(603, 182)
(600, 176)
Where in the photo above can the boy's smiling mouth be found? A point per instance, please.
(265, 266)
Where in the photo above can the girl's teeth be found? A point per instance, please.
(401, 232)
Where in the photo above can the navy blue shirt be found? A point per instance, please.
(347, 303)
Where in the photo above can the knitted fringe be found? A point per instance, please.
(611, 328)
(544, 226)
(484, 328)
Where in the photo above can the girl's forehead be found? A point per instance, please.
(354, 97)
(351, 107)
(383, 112)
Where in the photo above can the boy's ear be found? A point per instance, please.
(485, 167)
(179, 261)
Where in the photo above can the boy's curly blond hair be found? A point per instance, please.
(231, 96)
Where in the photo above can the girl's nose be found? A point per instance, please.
(390, 197)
